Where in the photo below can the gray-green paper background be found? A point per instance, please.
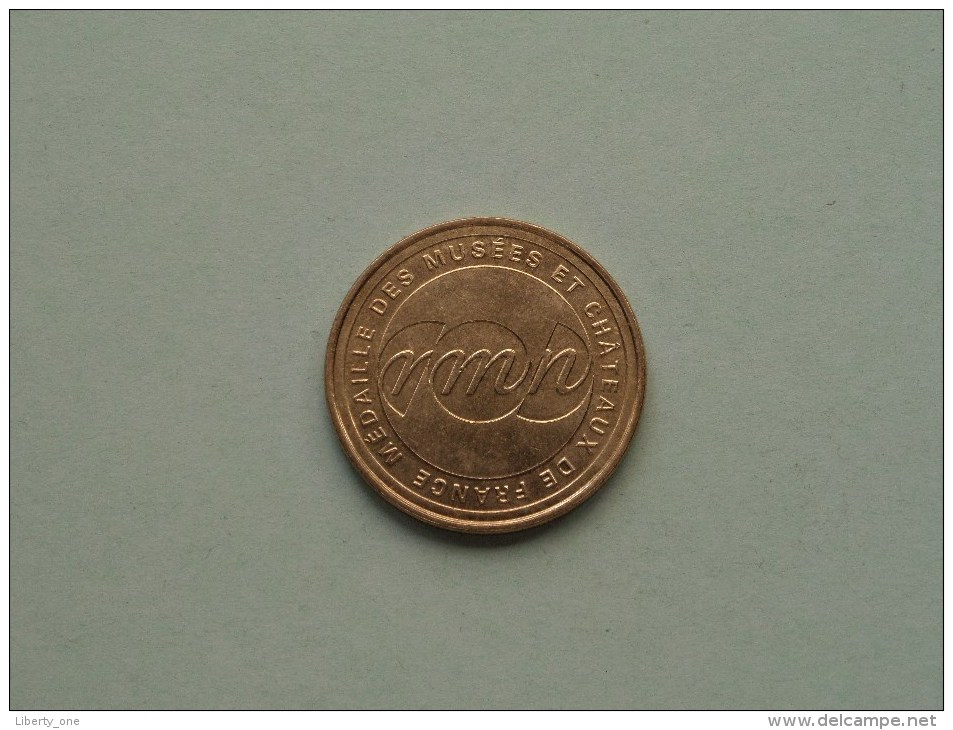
(192, 194)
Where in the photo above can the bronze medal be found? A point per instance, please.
(485, 375)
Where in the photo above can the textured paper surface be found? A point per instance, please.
(194, 193)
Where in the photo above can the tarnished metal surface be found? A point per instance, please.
(485, 375)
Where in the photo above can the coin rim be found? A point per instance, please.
(592, 485)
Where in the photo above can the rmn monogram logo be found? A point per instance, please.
(480, 371)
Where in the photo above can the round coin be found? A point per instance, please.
(485, 375)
